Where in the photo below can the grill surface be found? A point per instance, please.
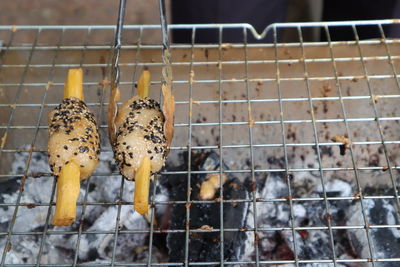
(250, 103)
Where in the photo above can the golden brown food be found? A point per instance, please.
(210, 186)
(73, 137)
(346, 143)
(140, 133)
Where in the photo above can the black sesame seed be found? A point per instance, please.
(83, 149)
(66, 147)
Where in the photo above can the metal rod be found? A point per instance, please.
(221, 141)
(284, 141)
(189, 152)
(251, 146)
(166, 53)
(53, 189)
(115, 73)
(86, 182)
(318, 152)
(18, 200)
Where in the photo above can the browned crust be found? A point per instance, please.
(112, 113)
(169, 111)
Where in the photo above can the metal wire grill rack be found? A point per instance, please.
(280, 100)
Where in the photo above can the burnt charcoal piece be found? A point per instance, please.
(205, 247)
(9, 186)
(385, 241)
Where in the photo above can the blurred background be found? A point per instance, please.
(259, 13)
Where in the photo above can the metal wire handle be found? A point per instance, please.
(115, 73)
(166, 54)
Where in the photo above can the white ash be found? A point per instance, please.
(309, 244)
(133, 247)
(60, 248)
(385, 241)
(342, 188)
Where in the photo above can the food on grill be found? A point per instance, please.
(210, 186)
(140, 140)
(73, 147)
(205, 246)
(345, 143)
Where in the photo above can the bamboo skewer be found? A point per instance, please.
(68, 183)
(142, 177)
(68, 187)
(142, 187)
(144, 84)
(74, 84)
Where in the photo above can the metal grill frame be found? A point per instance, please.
(247, 29)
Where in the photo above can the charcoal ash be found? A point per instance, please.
(310, 244)
(133, 247)
(128, 252)
(385, 241)
(206, 246)
(61, 248)
(24, 248)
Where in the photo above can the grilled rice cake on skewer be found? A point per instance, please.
(140, 141)
(73, 147)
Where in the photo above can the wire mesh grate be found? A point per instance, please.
(269, 111)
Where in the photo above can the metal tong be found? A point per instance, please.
(166, 81)
(115, 74)
(166, 54)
